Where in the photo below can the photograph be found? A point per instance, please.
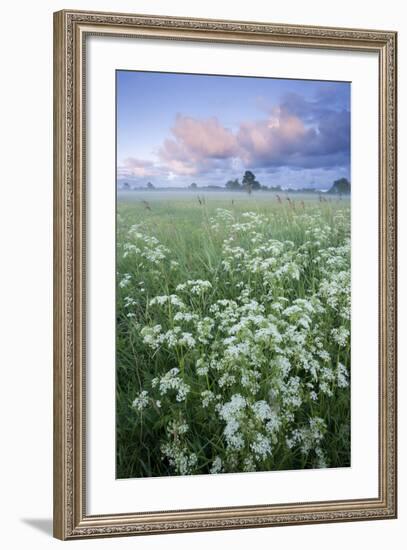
(233, 274)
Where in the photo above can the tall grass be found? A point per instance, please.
(233, 334)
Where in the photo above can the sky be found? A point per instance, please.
(177, 129)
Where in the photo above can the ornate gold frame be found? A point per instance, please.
(70, 31)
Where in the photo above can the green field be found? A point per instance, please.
(233, 332)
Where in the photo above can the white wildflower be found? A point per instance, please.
(207, 397)
(261, 446)
(262, 410)
(187, 340)
(141, 401)
(216, 465)
(197, 286)
(125, 280)
(342, 376)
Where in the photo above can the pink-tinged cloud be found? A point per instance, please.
(280, 135)
(137, 168)
(204, 138)
(196, 144)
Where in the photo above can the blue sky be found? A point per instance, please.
(175, 129)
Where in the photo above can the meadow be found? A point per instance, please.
(233, 333)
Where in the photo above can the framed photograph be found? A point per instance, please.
(225, 274)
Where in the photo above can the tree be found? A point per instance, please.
(150, 185)
(249, 182)
(340, 187)
(233, 185)
(193, 186)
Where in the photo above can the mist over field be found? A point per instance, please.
(222, 196)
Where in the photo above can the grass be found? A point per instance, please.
(261, 382)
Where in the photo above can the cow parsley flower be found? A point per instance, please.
(171, 381)
(141, 401)
(125, 280)
(261, 446)
(216, 467)
(262, 410)
(172, 299)
(197, 286)
(187, 340)
(342, 376)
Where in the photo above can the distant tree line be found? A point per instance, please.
(249, 184)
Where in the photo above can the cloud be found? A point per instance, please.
(137, 168)
(196, 145)
(297, 133)
(272, 139)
